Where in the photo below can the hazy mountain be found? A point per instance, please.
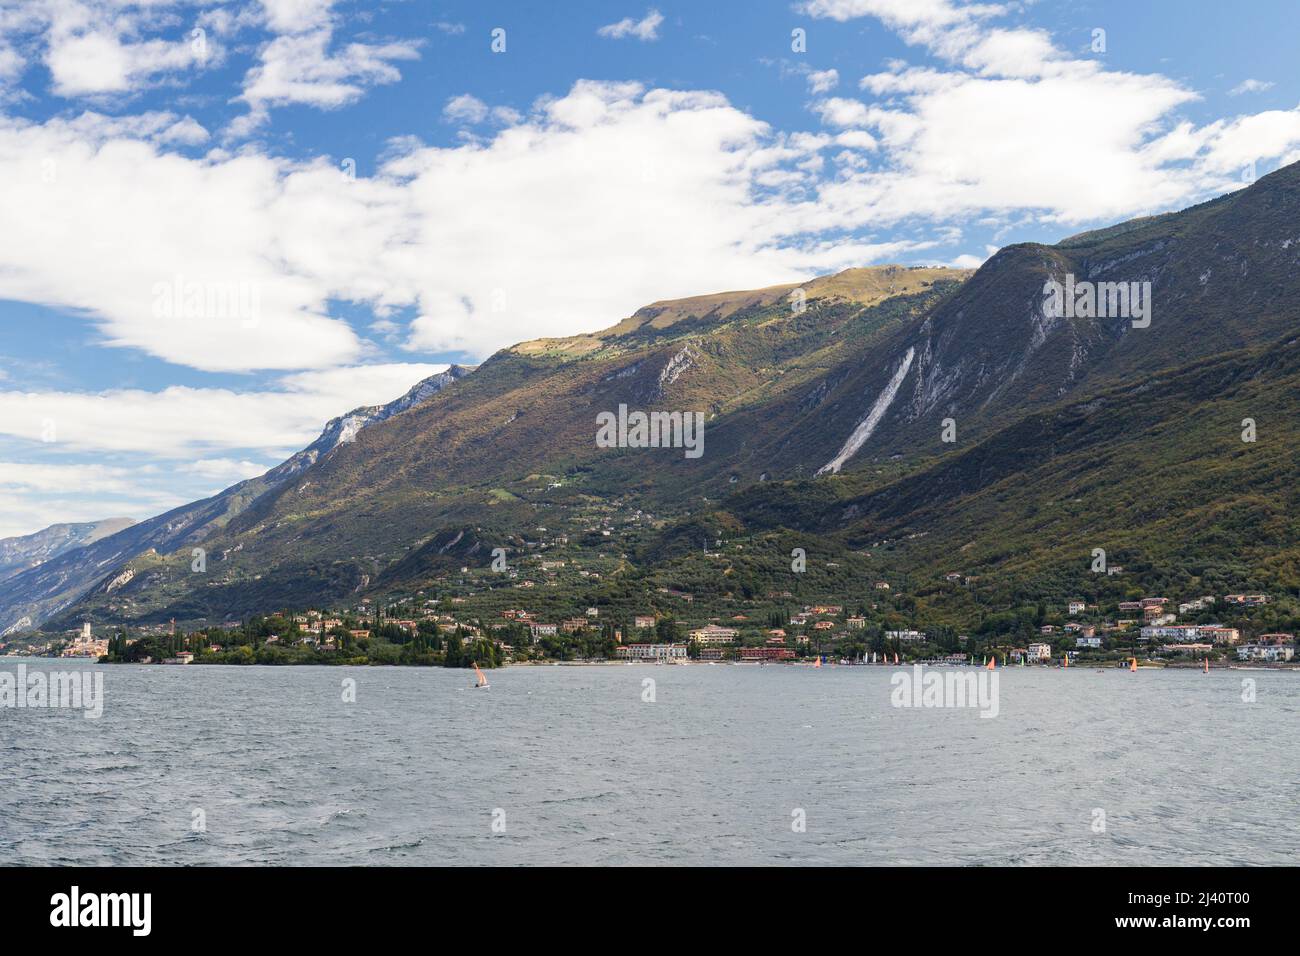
(29, 550)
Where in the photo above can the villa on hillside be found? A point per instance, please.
(713, 634)
(1265, 652)
(1185, 633)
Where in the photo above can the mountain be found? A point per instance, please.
(29, 598)
(826, 408)
(20, 553)
(514, 440)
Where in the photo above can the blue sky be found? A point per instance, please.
(229, 221)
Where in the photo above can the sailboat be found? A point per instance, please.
(1133, 665)
(895, 658)
(1206, 662)
(1065, 661)
(482, 680)
(993, 663)
(817, 661)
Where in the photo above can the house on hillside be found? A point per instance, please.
(713, 634)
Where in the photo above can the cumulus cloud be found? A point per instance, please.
(601, 200)
(1006, 121)
(97, 49)
(631, 195)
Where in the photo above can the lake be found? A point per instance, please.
(728, 765)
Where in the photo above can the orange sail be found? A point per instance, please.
(1066, 661)
(482, 681)
(895, 657)
(1133, 664)
(1206, 661)
(817, 661)
(993, 663)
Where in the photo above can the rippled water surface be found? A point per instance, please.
(584, 771)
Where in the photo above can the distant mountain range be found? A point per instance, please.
(827, 406)
(28, 551)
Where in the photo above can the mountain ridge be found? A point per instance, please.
(869, 381)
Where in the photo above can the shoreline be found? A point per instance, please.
(1107, 665)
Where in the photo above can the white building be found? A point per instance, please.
(711, 634)
(543, 630)
(650, 652)
(1039, 652)
(1265, 652)
(1087, 641)
(1184, 633)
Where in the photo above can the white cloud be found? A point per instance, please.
(645, 29)
(1015, 124)
(300, 68)
(838, 111)
(149, 221)
(823, 81)
(303, 64)
(97, 49)
(466, 108)
(35, 496)
(154, 450)
(630, 196)
(190, 424)
(1250, 86)
(98, 62)
(227, 471)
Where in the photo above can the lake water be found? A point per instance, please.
(579, 769)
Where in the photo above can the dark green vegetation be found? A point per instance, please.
(274, 639)
(1073, 434)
